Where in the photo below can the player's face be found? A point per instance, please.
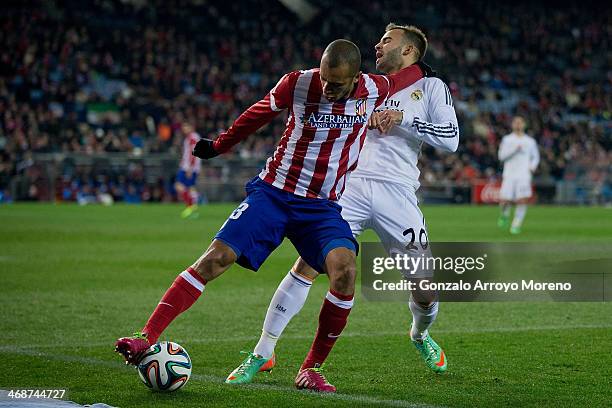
(518, 125)
(389, 51)
(337, 82)
(187, 129)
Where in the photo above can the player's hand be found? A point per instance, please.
(385, 120)
(374, 121)
(388, 119)
(204, 149)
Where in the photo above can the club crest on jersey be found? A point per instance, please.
(417, 95)
(361, 106)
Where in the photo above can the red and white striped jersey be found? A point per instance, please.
(322, 139)
(189, 162)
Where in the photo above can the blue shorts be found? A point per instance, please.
(268, 215)
(181, 177)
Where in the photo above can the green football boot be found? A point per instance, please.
(515, 230)
(190, 212)
(245, 372)
(503, 221)
(432, 354)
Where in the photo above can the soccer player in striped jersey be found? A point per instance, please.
(189, 169)
(380, 195)
(519, 153)
(294, 195)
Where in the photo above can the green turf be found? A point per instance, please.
(73, 279)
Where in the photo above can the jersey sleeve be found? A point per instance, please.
(441, 129)
(506, 150)
(534, 157)
(259, 114)
(186, 149)
(187, 158)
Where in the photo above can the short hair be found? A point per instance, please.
(413, 35)
(343, 52)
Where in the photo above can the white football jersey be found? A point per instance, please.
(428, 116)
(520, 156)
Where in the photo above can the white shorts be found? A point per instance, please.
(392, 211)
(513, 189)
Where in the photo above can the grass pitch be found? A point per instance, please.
(73, 279)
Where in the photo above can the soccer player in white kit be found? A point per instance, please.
(519, 153)
(380, 195)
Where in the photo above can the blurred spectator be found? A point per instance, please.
(99, 76)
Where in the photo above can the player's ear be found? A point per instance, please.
(356, 78)
(407, 49)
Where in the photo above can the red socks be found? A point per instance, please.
(332, 319)
(187, 197)
(185, 290)
(189, 285)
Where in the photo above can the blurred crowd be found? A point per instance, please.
(101, 76)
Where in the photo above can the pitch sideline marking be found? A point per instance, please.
(403, 333)
(236, 339)
(218, 380)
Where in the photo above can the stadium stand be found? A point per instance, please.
(112, 81)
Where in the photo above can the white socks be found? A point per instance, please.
(505, 210)
(519, 215)
(422, 318)
(287, 301)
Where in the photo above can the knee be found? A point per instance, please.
(424, 298)
(345, 282)
(219, 257)
(215, 261)
(425, 304)
(342, 272)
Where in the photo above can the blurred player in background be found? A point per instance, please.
(189, 168)
(293, 196)
(381, 195)
(519, 154)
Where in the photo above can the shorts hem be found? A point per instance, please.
(237, 251)
(337, 243)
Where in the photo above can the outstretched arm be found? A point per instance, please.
(258, 115)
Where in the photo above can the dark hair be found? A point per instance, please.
(343, 52)
(413, 35)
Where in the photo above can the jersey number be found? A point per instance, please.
(236, 213)
(422, 239)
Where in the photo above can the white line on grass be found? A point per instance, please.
(401, 333)
(357, 398)
(240, 339)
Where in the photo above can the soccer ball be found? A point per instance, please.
(165, 367)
